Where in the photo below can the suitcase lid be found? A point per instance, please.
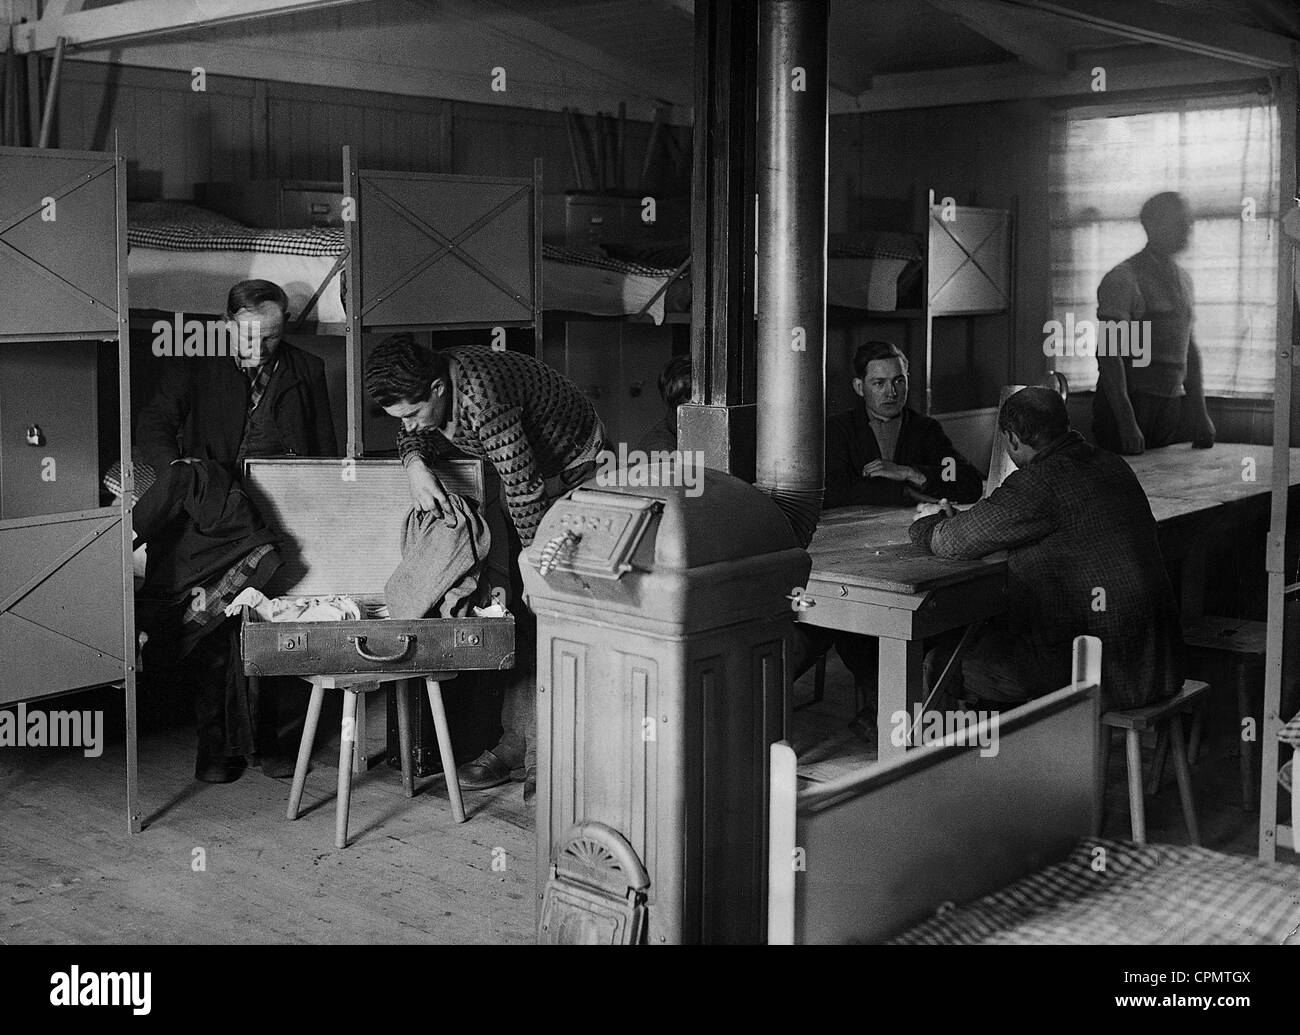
(342, 519)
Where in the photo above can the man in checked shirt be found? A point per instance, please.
(542, 436)
(1082, 560)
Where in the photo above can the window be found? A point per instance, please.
(1223, 158)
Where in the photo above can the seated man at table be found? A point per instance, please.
(1082, 559)
(885, 454)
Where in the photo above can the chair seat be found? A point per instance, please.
(1149, 716)
(1232, 635)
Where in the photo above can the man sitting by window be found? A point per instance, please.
(1082, 559)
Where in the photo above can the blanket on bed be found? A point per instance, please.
(177, 227)
(1117, 893)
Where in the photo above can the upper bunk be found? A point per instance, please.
(183, 257)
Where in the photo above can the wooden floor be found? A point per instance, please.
(70, 874)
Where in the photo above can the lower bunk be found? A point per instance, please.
(991, 838)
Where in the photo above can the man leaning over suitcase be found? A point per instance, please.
(542, 436)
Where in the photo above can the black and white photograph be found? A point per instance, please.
(650, 472)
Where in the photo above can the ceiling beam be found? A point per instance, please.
(984, 84)
(144, 19)
(484, 15)
(58, 8)
(1006, 29)
(1201, 34)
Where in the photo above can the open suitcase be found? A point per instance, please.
(342, 521)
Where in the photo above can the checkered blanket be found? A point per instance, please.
(577, 257)
(1117, 893)
(207, 603)
(144, 476)
(315, 240)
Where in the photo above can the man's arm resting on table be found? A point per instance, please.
(951, 476)
(1012, 516)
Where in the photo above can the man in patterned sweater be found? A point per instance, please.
(542, 436)
(1082, 559)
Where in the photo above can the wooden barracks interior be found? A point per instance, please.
(669, 471)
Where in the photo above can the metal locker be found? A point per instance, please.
(49, 438)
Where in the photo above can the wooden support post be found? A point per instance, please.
(33, 62)
(51, 95)
(352, 339)
(720, 419)
(134, 818)
(1275, 551)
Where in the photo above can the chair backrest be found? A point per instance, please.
(1000, 464)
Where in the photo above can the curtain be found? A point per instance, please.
(1223, 157)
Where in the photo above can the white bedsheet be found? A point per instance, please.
(864, 283)
(600, 292)
(197, 282)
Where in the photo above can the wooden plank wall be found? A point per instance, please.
(238, 128)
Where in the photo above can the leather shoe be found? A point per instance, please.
(223, 769)
(485, 771)
(530, 784)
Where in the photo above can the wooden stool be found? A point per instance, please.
(1136, 721)
(1244, 642)
(355, 685)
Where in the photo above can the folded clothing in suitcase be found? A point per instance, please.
(344, 522)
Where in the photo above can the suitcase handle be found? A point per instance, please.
(360, 643)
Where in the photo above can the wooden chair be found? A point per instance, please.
(1136, 721)
(353, 688)
(1243, 642)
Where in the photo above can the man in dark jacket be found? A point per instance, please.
(1082, 559)
(264, 397)
(884, 454)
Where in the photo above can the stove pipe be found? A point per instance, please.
(790, 181)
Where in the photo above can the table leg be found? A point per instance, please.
(445, 749)
(360, 746)
(304, 747)
(899, 685)
(404, 737)
(350, 700)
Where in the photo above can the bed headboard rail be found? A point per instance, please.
(875, 852)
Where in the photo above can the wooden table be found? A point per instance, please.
(868, 578)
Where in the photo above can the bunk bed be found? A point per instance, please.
(66, 623)
(949, 845)
(957, 267)
(415, 252)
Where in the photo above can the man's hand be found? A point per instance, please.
(925, 510)
(1203, 431)
(428, 493)
(1132, 441)
(893, 472)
